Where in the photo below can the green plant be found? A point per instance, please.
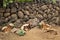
(51, 1)
(6, 2)
(54, 1)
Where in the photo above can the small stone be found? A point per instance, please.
(2, 20)
(50, 6)
(1, 14)
(31, 16)
(13, 18)
(48, 10)
(26, 18)
(27, 7)
(27, 12)
(13, 10)
(2, 10)
(37, 9)
(44, 7)
(7, 19)
(39, 16)
(6, 14)
(57, 20)
(45, 15)
(14, 30)
(56, 13)
(18, 23)
(57, 8)
(51, 23)
(41, 12)
(0, 28)
(11, 24)
(8, 10)
(20, 14)
(49, 15)
(53, 14)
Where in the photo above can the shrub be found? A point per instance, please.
(6, 2)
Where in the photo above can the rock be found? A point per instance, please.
(8, 19)
(48, 10)
(37, 9)
(13, 10)
(26, 18)
(13, 18)
(2, 10)
(57, 8)
(30, 10)
(18, 23)
(11, 25)
(14, 30)
(41, 12)
(20, 14)
(52, 24)
(1, 14)
(26, 12)
(44, 7)
(50, 6)
(33, 22)
(57, 20)
(31, 16)
(56, 13)
(6, 14)
(2, 20)
(54, 6)
(49, 15)
(45, 15)
(8, 10)
(45, 11)
(27, 7)
(34, 12)
(53, 14)
(39, 16)
(53, 10)
(0, 28)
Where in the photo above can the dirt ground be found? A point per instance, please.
(33, 34)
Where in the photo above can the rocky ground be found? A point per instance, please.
(33, 34)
